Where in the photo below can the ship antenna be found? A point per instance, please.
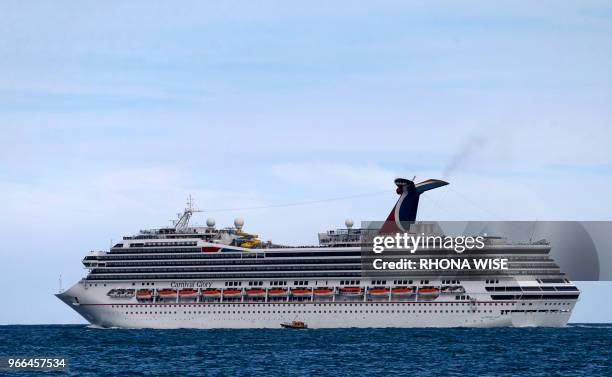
(183, 223)
(532, 231)
(60, 283)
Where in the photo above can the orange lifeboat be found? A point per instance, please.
(401, 291)
(323, 292)
(144, 294)
(277, 292)
(256, 292)
(301, 292)
(166, 292)
(429, 291)
(232, 292)
(211, 292)
(188, 293)
(351, 291)
(378, 291)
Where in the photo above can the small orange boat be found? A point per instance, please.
(211, 292)
(276, 292)
(232, 292)
(378, 291)
(351, 291)
(256, 292)
(294, 325)
(144, 294)
(188, 293)
(429, 291)
(301, 292)
(166, 292)
(323, 292)
(401, 291)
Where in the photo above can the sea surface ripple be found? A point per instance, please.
(575, 350)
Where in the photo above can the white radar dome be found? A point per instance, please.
(238, 222)
(349, 223)
(210, 222)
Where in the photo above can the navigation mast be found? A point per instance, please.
(183, 222)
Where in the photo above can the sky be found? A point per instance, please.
(112, 114)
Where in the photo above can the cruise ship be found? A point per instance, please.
(207, 277)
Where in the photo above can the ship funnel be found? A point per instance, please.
(405, 210)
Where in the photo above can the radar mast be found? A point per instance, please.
(183, 222)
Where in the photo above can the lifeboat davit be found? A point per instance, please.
(351, 291)
(211, 292)
(401, 291)
(188, 293)
(277, 292)
(256, 292)
(429, 291)
(323, 292)
(378, 291)
(232, 292)
(144, 294)
(301, 292)
(166, 292)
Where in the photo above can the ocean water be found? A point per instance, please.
(576, 350)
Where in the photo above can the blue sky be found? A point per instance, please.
(110, 115)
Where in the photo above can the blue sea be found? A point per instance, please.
(576, 350)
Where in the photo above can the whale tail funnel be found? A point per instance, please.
(405, 210)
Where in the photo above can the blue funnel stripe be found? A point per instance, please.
(408, 203)
(405, 210)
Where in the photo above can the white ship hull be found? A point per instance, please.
(125, 313)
